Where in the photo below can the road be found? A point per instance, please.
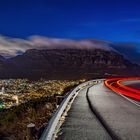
(120, 116)
(101, 115)
(133, 84)
(81, 123)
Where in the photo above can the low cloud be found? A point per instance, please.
(54, 43)
(10, 47)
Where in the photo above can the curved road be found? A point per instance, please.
(98, 113)
(120, 116)
(133, 84)
(81, 123)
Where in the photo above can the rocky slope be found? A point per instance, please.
(66, 64)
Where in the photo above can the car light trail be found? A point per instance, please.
(127, 87)
(116, 85)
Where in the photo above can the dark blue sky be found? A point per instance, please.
(116, 20)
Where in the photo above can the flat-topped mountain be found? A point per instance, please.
(66, 64)
(11, 47)
(52, 58)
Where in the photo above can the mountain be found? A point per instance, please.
(11, 47)
(2, 58)
(129, 50)
(53, 58)
(66, 64)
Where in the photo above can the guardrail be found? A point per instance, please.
(49, 132)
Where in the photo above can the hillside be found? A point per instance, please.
(66, 64)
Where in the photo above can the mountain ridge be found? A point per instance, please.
(66, 64)
(11, 47)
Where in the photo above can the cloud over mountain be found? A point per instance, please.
(10, 47)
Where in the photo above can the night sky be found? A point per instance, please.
(115, 20)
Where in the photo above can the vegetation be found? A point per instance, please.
(39, 106)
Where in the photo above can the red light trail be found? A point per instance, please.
(116, 85)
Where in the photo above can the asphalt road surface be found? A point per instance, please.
(133, 84)
(112, 116)
(81, 123)
(121, 117)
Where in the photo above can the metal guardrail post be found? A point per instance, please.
(59, 99)
(31, 131)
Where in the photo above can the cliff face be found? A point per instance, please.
(65, 64)
(71, 58)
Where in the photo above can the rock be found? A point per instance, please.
(65, 64)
